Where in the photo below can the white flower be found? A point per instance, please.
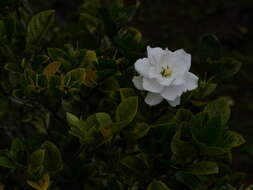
(165, 75)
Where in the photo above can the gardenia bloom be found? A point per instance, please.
(165, 75)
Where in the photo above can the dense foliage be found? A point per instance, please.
(71, 117)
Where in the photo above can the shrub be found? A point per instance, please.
(71, 117)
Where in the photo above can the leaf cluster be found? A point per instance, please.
(72, 119)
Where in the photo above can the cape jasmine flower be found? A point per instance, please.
(165, 75)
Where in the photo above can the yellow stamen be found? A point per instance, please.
(166, 72)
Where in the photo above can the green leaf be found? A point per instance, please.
(12, 67)
(57, 54)
(6, 162)
(210, 47)
(249, 188)
(206, 130)
(111, 84)
(204, 90)
(103, 119)
(126, 93)
(41, 184)
(157, 185)
(42, 81)
(72, 120)
(60, 55)
(91, 78)
(139, 130)
(30, 77)
(89, 59)
(53, 159)
(134, 163)
(78, 127)
(228, 67)
(183, 115)
(203, 168)
(39, 26)
(91, 7)
(35, 162)
(75, 77)
(125, 113)
(213, 151)
(189, 180)
(88, 130)
(17, 151)
(127, 109)
(228, 187)
(219, 108)
(182, 151)
(232, 139)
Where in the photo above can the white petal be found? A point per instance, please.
(186, 56)
(165, 81)
(179, 62)
(173, 91)
(175, 102)
(155, 54)
(142, 66)
(153, 99)
(179, 79)
(191, 81)
(138, 82)
(152, 85)
(154, 72)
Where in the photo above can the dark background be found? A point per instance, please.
(180, 24)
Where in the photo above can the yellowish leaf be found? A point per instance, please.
(105, 132)
(42, 184)
(90, 79)
(1, 186)
(136, 33)
(52, 68)
(89, 58)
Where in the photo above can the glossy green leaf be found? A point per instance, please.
(12, 67)
(189, 180)
(232, 139)
(139, 130)
(53, 159)
(182, 151)
(228, 67)
(103, 119)
(157, 185)
(36, 161)
(75, 77)
(38, 26)
(6, 162)
(126, 93)
(127, 109)
(72, 120)
(203, 168)
(204, 90)
(219, 108)
(206, 130)
(41, 184)
(183, 115)
(57, 54)
(17, 151)
(134, 163)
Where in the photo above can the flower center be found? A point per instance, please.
(166, 72)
